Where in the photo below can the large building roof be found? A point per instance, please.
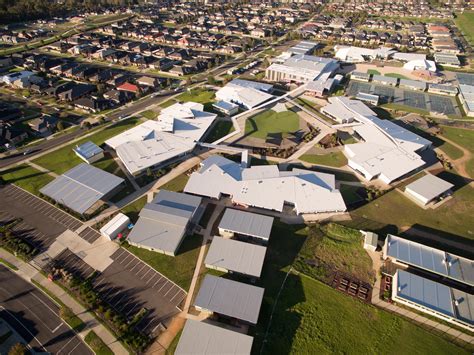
(429, 186)
(81, 187)
(359, 54)
(162, 223)
(154, 142)
(429, 294)
(206, 339)
(388, 150)
(431, 259)
(246, 96)
(303, 47)
(305, 66)
(267, 187)
(233, 255)
(247, 223)
(230, 298)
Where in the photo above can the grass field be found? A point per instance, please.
(202, 96)
(373, 72)
(465, 22)
(64, 158)
(350, 194)
(180, 268)
(335, 247)
(312, 318)
(453, 218)
(133, 209)
(177, 184)
(463, 137)
(149, 114)
(336, 159)
(96, 343)
(451, 151)
(220, 129)
(26, 177)
(261, 125)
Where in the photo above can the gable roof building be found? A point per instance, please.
(89, 152)
(82, 186)
(267, 187)
(245, 93)
(246, 223)
(164, 222)
(206, 339)
(156, 143)
(230, 298)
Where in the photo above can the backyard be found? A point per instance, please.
(63, 159)
(179, 268)
(259, 126)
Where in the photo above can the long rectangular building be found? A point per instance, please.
(230, 298)
(449, 304)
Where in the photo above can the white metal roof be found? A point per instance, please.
(429, 186)
(267, 187)
(230, 298)
(111, 227)
(233, 255)
(247, 223)
(245, 96)
(153, 142)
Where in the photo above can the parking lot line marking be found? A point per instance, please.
(40, 344)
(163, 285)
(151, 278)
(117, 256)
(149, 269)
(126, 257)
(59, 326)
(172, 286)
(73, 338)
(129, 263)
(176, 294)
(134, 266)
(140, 269)
(133, 308)
(157, 282)
(118, 301)
(74, 348)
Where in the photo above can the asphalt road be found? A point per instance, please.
(36, 317)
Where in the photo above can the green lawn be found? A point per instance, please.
(96, 343)
(335, 247)
(220, 129)
(63, 159)
(133, 209)
(396, 75)
(465, 22)
(149, 114)
(26, 177)
(180, 268)
(453, 218)
(261, 125)
(177, 184)
(350, 194)
(373, 72)
(336, 159)
(197, 95)
(451, 151)
(312, 318)
(463, 137)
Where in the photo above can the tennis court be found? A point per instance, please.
(442, 105)
(414, 99)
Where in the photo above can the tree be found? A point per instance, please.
(60, 126)
(17, 349)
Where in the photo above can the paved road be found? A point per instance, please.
(36, 317)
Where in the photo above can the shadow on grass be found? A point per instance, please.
(340, 175)
(190, 242)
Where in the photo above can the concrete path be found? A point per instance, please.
(412, 316)
(43, 170)
(28, 272)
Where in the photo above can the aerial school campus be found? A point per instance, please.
(247, 178)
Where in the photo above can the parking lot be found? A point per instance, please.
(35, 317)
(90, 235)
(72, 263)
(42, 207)
(129, 285)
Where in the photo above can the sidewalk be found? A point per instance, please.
(28, 272)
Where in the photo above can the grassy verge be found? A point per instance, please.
(178, 269)
(26, 177)
(220, 129)
(149, 114)
(335, 159)
(8, 264)
(96, 344)
(174, 344)
(63, 159)
(465, 22)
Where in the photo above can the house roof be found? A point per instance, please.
(81, 187)
(230, 298)
(206, 339)
(429, 186)
(128, 87)
(236, 256)
(162, 223)
(247, 223)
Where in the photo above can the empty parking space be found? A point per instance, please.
(43, 207)
(129, 285)
(89, 235)
(71, 262)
